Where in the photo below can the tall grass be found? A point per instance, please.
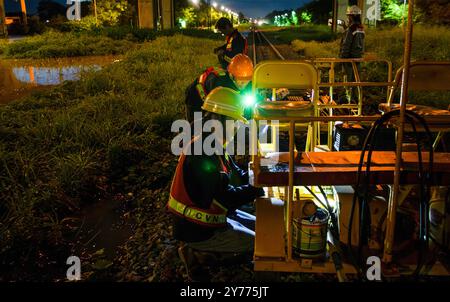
(3, 44)
(108, 133)
(54, 44)
(429, 43)
(303, 32)
(96, 41)
(315, 49)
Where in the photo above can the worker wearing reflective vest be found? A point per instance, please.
(352, 46)
(207, 190)
(235, 42)
(237, 77)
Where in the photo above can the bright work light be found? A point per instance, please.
(249, 100)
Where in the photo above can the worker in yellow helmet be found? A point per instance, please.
(204, 196)
(237, 77)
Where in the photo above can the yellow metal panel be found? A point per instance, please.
(424, 76)
(345, 195)
(429, 76)
(285, 74)
(269, 241)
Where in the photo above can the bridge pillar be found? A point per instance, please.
(167, 14)
(145, 14)
(157, 14)
(3, 30)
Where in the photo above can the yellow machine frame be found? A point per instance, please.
(331, 64)
(274, 220)
(305, 75)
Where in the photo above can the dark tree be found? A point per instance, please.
(274, 13)
(321, 10)
(241, 16)
(434, 11)
(179, 5)
(49, 9)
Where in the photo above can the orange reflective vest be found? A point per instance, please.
(201, 89)
(182, 205)
(229, 46)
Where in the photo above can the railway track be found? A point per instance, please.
(263, 49)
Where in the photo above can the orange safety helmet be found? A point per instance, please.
(241, 68)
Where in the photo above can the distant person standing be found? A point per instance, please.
(235, 42)
(352, 43)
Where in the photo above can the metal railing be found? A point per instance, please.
(357, 108)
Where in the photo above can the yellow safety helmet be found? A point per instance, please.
(225, 101)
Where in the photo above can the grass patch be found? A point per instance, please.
(304, 33)
(98, 41)
(54, 44)
(3, 44)
(429, 43)
(146, 34)
(314, 49)
(106, 134)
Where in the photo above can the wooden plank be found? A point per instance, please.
(340, 168)
(326, 267)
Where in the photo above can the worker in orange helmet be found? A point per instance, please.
(238, 75)
(207, 191)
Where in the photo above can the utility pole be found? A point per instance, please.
(95, 12)
(209, 8)
(23, 7)
(335, 16)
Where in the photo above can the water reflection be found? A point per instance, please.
(19, 77)
(49, 75)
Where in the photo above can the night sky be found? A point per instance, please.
(260, 8)
(251, 8)
(14, 5)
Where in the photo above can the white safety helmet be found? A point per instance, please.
(353, 10)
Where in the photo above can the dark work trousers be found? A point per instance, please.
(352, 92)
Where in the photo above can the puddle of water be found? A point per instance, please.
(104, 227)
(20, 77)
